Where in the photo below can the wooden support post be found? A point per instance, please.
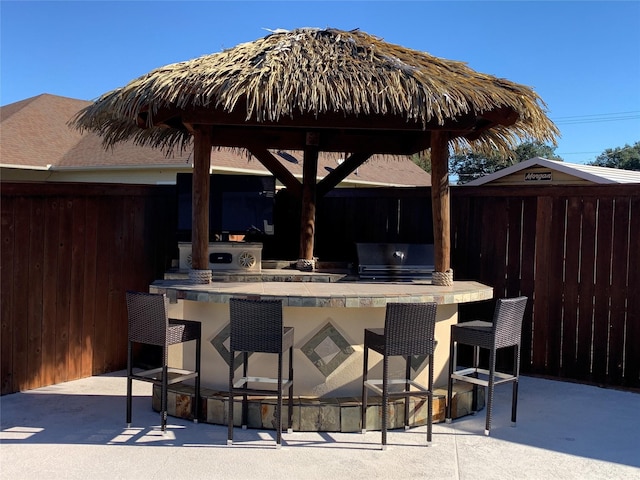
(440, 205)
(200, 201)
(308, 216)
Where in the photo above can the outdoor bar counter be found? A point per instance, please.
(329, 315)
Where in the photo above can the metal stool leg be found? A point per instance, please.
(364, 388)
(452, 364)
(290, 410)
(385, 399)
(165, 394)
(407, 387)
(490, 389)
(476, 363)
(196, 413)
(516, 374)
(129, 381)
(230, 409)
(245, 398)
(279, 404)
(430, 402)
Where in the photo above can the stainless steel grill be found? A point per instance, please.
(395, 261)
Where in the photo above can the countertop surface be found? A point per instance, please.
(326, 294)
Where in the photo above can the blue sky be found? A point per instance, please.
(581, 57)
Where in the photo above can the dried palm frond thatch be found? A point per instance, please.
(313, 72)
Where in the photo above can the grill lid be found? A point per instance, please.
(395, 260)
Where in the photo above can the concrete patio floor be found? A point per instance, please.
(77, 430)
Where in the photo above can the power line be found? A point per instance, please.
(597, 118)
(597, 114)
(603, 120)
(577, 153)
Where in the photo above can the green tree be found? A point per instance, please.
(528, 150)
(625, 158)
(472, 165)
(423, 160)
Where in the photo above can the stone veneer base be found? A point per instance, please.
(315, 414)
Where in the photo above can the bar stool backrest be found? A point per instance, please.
(148, 318)
(409, 328)
(256, 325)
(507, 321)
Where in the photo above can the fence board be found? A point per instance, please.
(36, 280)
(554, 269)
(586, 291)
(568, 353)
(415, 219)
(619, 291)
(494, 244)
(50, 290)
(63, 294)
(632, 352)
(76, 334)
(89, 285)
(7, 307)
(527, 283)
(543, 247)
(459, 237)
(114, 283)
(21, 374)
(124, 276)
(105, 258)
(603, 289)
(474, 257)
(514, 248)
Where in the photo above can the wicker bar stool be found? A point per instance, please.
(149, 324)
(408, 330)
(504, 331)
(256, 326)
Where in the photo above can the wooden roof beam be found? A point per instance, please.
(305, 121)
(390, 143)
(279, 171)
(341, 172)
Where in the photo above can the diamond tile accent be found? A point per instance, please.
(221, 343)
(327, 349)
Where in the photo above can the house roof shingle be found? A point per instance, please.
(34, 134)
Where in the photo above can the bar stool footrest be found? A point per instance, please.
(372, 384)
(174, 375)
(499, 377)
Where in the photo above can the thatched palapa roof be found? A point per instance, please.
(321, 90)
(322, 78)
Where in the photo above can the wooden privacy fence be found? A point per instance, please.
(70, 251)
(68, 254)
(575, 252)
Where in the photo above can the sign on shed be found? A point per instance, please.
(538, 176)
